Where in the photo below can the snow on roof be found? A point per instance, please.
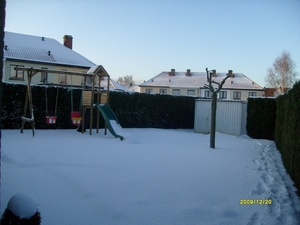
(113, 85)
(198, 79)
(131, 88)
(41, 49)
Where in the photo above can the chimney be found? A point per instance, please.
(214, 73)
(68, 41)
(230, 74)
(172, 73)
(188, 73)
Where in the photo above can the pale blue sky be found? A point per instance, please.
(145, 37)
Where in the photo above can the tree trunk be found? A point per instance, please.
(213, 120)
(2, 24)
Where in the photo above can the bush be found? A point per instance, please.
(21, 210)
(287, 131)
(137, 110)
(8, 218)
(261, 118)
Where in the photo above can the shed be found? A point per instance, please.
(231, 116)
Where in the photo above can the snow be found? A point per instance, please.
(35, 48)
(120, 131)
(168, 177)
(22, 206)
(199, 79)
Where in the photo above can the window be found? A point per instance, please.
(162, 91)
(16, 74)
(44, 76)
(191, 92)
(223, 94)
(252, 94)
(63, 78)
(149, 91)
(176, 91)
(237, 95)
(207, 94)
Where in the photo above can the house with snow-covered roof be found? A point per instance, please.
(22, 50)
(237, 86)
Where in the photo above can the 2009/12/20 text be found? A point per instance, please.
(255, 202)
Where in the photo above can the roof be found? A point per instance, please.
(275, 92)
(41, 49)
(198, 79)
(113, 85)
(131, 87)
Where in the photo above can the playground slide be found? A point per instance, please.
(111, 120)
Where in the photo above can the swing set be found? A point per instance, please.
(87, 98)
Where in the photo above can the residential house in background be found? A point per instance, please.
(21, 50)
(237, 86)
(132, 87)
(275, 92)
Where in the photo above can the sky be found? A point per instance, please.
(142, 38)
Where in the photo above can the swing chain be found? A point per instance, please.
(46, 97)
(56, 101)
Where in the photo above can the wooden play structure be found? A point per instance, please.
(88, 94)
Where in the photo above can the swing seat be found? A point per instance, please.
(27, 119)
(75, 118)
(51, 119)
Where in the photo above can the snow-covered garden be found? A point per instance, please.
(157, 177)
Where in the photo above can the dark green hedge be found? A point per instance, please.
(261, 118)
(14, 101)
(155, 111)
(132, 109)
(287, 132)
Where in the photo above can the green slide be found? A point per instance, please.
(109, 117)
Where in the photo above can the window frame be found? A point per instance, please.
(44, 74)
(207, 94)
(18, 75)
(162, 91)
(252, 94)
(149, 90)
(63, 78)
(194, 93)
(238, 97)
(176, 91)
(223, 94)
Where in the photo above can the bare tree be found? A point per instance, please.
(282, 74)
(215, 92)
(128, 79)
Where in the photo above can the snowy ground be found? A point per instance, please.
(159, 177)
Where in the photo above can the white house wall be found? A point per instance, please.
(230, 119)
(52, 78)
